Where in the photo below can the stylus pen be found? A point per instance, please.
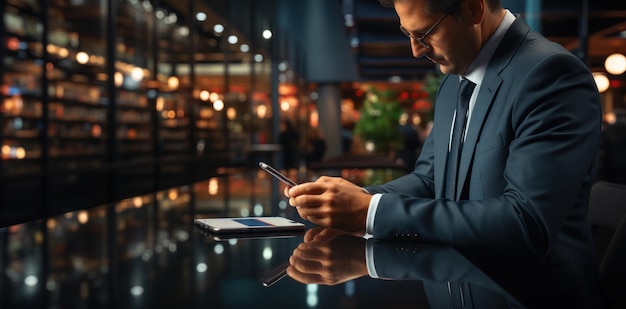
(277, 174)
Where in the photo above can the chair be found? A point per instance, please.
(607, 206)
(613, 268)
(607, 219)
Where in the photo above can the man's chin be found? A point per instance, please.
(442, 65)
(448, 69)
(444, 69)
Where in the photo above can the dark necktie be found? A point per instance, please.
(458, 131)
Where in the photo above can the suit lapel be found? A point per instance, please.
(487, 95)
(485, 99)
(444, 112)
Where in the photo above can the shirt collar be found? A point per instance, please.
(476, 71)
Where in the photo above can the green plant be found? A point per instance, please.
(378, 122)
(431, 86)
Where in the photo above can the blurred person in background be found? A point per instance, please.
(614, 148)
(411, 143)
(315, 147)
(289, 139)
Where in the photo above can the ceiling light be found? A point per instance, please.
(171, 18)
(354, 42)
(602, 82)
(147, 6)
(218, 28)
(348, 20)
(160, 14)
(183, 31)
(173, 82)
(82, 57)
(201, 16)
(282, 66)
(615, 64)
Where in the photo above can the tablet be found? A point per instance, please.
(247, 225)
(249, 235)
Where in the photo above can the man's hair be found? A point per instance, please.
(440, 6)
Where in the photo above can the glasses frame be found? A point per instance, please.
(421, 40)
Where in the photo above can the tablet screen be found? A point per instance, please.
(252, 222)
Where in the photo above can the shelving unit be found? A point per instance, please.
(79, 125)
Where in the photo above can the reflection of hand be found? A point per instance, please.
(328, 259)
(326, 234)
(331, 202)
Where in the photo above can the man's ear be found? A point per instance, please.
(476, 9)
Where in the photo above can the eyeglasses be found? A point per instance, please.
(421, 39)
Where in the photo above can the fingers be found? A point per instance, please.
(308, 207)
(307, 188)
(314, 264)
(312, 233)
(321, 214)
(320, 186)
(331, 202)
(306, 278)
(307, 265)
(327, 234)
(310, 215)
(312, 251)
(307, 200)
(308, 261)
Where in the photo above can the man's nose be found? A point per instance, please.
(418, 49)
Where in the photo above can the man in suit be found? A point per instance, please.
(529, 150)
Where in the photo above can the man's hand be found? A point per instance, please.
(329, 261)
(331, 202)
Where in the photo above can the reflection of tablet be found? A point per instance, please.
(249, 225)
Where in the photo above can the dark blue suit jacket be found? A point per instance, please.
(527, 164)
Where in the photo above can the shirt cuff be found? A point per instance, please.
(371, 213)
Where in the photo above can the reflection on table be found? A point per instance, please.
(143, 252)
(449, 278)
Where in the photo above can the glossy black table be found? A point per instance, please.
(186, 270)
(144, 252)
